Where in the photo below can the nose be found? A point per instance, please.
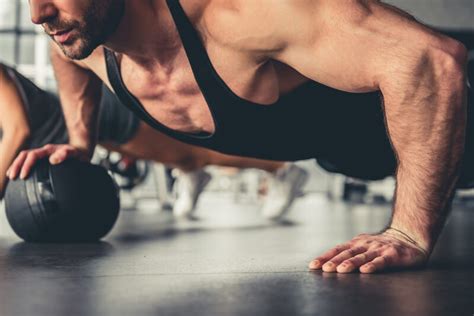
(42, 10)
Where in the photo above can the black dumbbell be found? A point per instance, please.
(71, 202)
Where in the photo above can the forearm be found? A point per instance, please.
(79, 91)
(426, 120)
(82, 117)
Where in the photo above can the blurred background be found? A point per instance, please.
(23, 44)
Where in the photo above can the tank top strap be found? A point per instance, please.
(133, 104)
(126, 98)
(214, 89)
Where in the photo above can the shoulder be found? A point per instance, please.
(257, 25)
(246, 24)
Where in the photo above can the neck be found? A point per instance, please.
(147, 32)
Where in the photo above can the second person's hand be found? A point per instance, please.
(26, 159)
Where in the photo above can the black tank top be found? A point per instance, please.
(295, 127)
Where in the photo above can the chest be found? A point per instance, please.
(170, 93)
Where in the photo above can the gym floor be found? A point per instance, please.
(231, 262)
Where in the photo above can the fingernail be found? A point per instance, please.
(315, 264)
(344, 267)
(328, 265)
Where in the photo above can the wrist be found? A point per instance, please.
(82, 144)
(419, 238)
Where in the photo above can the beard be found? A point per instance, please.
(98, 23)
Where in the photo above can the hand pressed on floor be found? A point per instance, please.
(370, 253)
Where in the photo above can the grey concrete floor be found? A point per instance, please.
(231, 262)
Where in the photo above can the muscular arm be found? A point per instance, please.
(80, 92)
(360, 46)
(14, 124)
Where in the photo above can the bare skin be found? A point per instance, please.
(354, 46)
(13, 123)
(15, 127)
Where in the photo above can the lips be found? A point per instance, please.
(62, 36)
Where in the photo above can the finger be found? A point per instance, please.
(319, 261)
(332, 264)
(16, 165)
(30, 160)
(377, 264)
(32, 157)
(60, 155)
(353, 263)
